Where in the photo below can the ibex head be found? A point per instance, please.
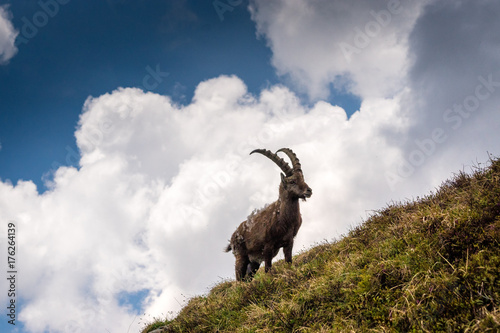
(292, 179)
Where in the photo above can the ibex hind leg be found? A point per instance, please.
(268, 262)
(241, 267)
(269, 253)
(287, 251)
(252, 268)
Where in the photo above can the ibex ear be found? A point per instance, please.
(283, 177)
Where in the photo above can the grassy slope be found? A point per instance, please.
(428, 265)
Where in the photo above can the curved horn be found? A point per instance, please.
(293, 158)
(276, 159)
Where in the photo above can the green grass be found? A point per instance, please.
(431, 265)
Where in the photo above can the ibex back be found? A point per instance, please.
(260, 237)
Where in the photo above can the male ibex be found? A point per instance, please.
(260, 237)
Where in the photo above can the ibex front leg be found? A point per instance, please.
(287, 250)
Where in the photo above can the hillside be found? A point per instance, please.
(428, 265)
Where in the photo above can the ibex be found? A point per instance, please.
(260, 237)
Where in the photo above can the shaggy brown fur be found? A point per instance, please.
(265, 231)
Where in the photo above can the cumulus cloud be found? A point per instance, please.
(7, 35)
(455, 62)
(430, 55)
(358, 46)
(453, 85)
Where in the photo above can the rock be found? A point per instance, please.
(162, 329)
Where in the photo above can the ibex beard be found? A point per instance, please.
(275, 226)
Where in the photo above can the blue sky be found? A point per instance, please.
(125, 128)
(88, 49)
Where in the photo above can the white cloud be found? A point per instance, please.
(359, 46)
(430, 55)
(7, 36)
(454, 87)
